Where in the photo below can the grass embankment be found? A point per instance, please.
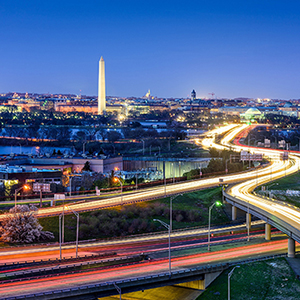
(279, 187)
(271, 279)
(189, 210)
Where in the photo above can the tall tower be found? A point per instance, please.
(101, 88)
(193, 95)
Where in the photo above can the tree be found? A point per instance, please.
(21, 226)
(101, 133)
(80, 135)
(87, 167)
(192, 174)
(113, 136)
(213, 152)
(32, 131)
(64, 134)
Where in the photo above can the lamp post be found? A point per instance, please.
(165, 180)
(136, 180)
(275, 183)
(173, 167)
(275, 137)
(226, 169)
(171, 212)
(298, 142)
(26, 187)
(209, 217)
(229, 275)
(169, 229)
(248, 223)
(70, 186)
(83, 148)
(63, 223)
(118, 290)
(143, 147)
(77, 228)
(59, 227)
(116, 179)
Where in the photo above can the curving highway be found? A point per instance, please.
(279, 214)
(169, 189)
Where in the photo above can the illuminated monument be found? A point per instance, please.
(101, 88)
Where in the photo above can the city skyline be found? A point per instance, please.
(232, 50)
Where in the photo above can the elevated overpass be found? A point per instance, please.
(284, 217)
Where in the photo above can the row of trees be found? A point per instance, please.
(90, 134)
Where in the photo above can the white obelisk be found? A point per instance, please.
(101, 88)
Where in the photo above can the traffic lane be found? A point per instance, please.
(142, 269)
(123, 246)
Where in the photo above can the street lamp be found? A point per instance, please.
(226, 169)
(118, 290)
(298, 142)
(83, 148)
(25, 187)
(171, 202)
(136, 180)
(169, 229)
(173, 167)
(248, 222)
(143, 147)
(116, 179)
(60, 234)
(275, 183)
(209, 217)
(229, 275)
(77, 228)
(70, 179)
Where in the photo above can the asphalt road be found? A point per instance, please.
(142, 269)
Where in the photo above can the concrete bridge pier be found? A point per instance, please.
(291, 247)
(233, 211)
(267, 232)
(248, 220)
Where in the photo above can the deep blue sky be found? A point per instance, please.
(232, 48)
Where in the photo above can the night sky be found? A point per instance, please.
(232, 48)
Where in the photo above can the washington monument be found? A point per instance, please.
(101, 88)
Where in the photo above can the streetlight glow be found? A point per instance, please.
(217, 203)
(25, 187)
(116, 179)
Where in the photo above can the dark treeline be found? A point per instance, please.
(131, 219)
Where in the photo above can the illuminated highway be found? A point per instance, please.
(243, 191)
(149, 267)
(119, 245)
(159, 192)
